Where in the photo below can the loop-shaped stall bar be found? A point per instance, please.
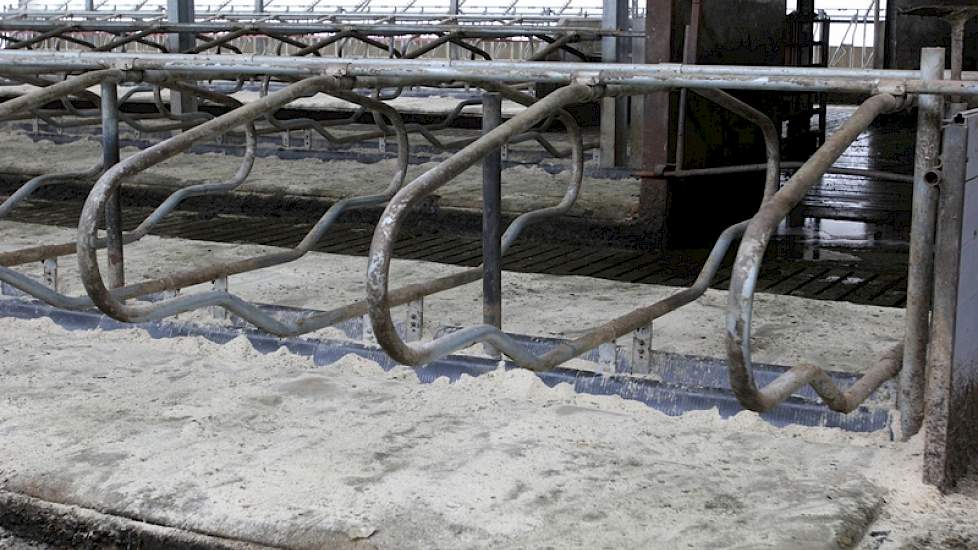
(641, 79)
(43, 252)
(747, 268)
(112, 304)
(381, 248)
(35, 183)
(774, 208)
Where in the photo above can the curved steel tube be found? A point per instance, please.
(420, 353)
(111, 304)
(381, 248)
(410, 293)
(44, 293)
(36, 183)
(42, 96)
(45, 95)
(747, 267)
(313, 322)
(38, 253)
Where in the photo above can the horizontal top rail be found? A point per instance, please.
(374, 28)
(627, 78)
(307, 15)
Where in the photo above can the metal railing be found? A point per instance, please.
(579, 83)
(408, 40)
(861, 42)
(577, 9)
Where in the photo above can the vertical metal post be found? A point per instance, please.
(453, 9)
(614, 110)
(920, 276)
(181, 11)
(951, 441)
(690, 45)
(657, 127)
(877, 37)
(958, 23)
(806, 38)
(492, 165)
(89, 5)
(259, 6)
(113, 207)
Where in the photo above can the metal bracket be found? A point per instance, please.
(219, 285)
(414, 327)
(587, 78)
(367, 333)
(50, 266)
(123, 64)
(642, 350)
(336, 70)
(607, 358)
(892, 87)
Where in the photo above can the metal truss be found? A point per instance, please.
(392, 37)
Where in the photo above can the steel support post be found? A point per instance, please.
(951, 422)
(920, 276)
(657, 127)
(492, 292)
(181, 11)
(113, 207)
(614, 110)
(454, 52)
(877, 36)
(690, 45)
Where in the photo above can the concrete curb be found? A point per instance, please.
(76, 527)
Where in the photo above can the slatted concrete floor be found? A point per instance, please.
(882, 284)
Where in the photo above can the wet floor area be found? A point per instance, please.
(856, 215)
